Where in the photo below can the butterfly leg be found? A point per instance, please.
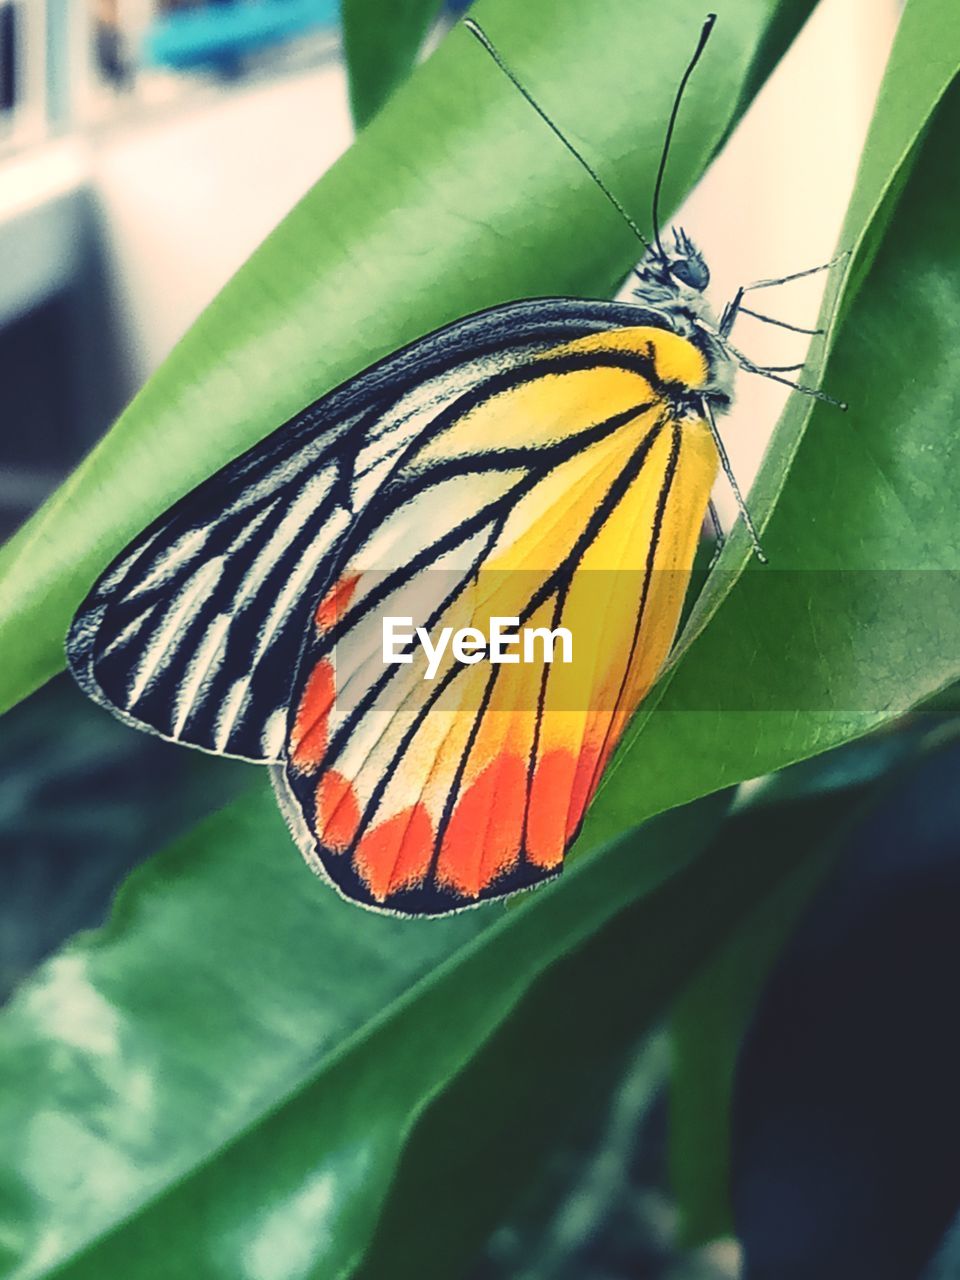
(736, 307)
(780, 368)
(732, 481)
(771, 372)
(719, 537)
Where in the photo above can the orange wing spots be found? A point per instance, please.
(335, 603)
(338, 814)
(308, 737)
(482, 839)
(547, 816)
(396, 854)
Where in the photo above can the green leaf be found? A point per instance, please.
(840, 791)
(587, 1201)
(381, 40)
(557, 1055)
(525, 1095)
(855, 621)
(845, 1106)
(221, 1081)
(81, 803)
(453, 199)
(238, 1060)
(711, 1015)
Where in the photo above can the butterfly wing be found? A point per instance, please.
(579, 481)
(195, 630)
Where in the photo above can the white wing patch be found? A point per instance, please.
(230, 710)
(410, 417)
(203, 666)
(186, 548)
(164, 641)
(195, 631)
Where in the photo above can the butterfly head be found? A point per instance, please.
(674, 278)
(672, 284)
(686, 264)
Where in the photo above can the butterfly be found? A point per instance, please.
(547, 461)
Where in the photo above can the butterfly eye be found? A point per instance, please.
(692, 272)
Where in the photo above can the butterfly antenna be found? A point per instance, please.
(701, 45)
(476, 30)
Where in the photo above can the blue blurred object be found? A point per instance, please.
(219, 34)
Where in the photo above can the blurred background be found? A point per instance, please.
(146, 148)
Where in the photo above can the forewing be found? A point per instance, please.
(195, 630)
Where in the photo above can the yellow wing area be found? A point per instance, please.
(475, 782)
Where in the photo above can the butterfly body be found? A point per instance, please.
(673, 287)
(546, 460)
